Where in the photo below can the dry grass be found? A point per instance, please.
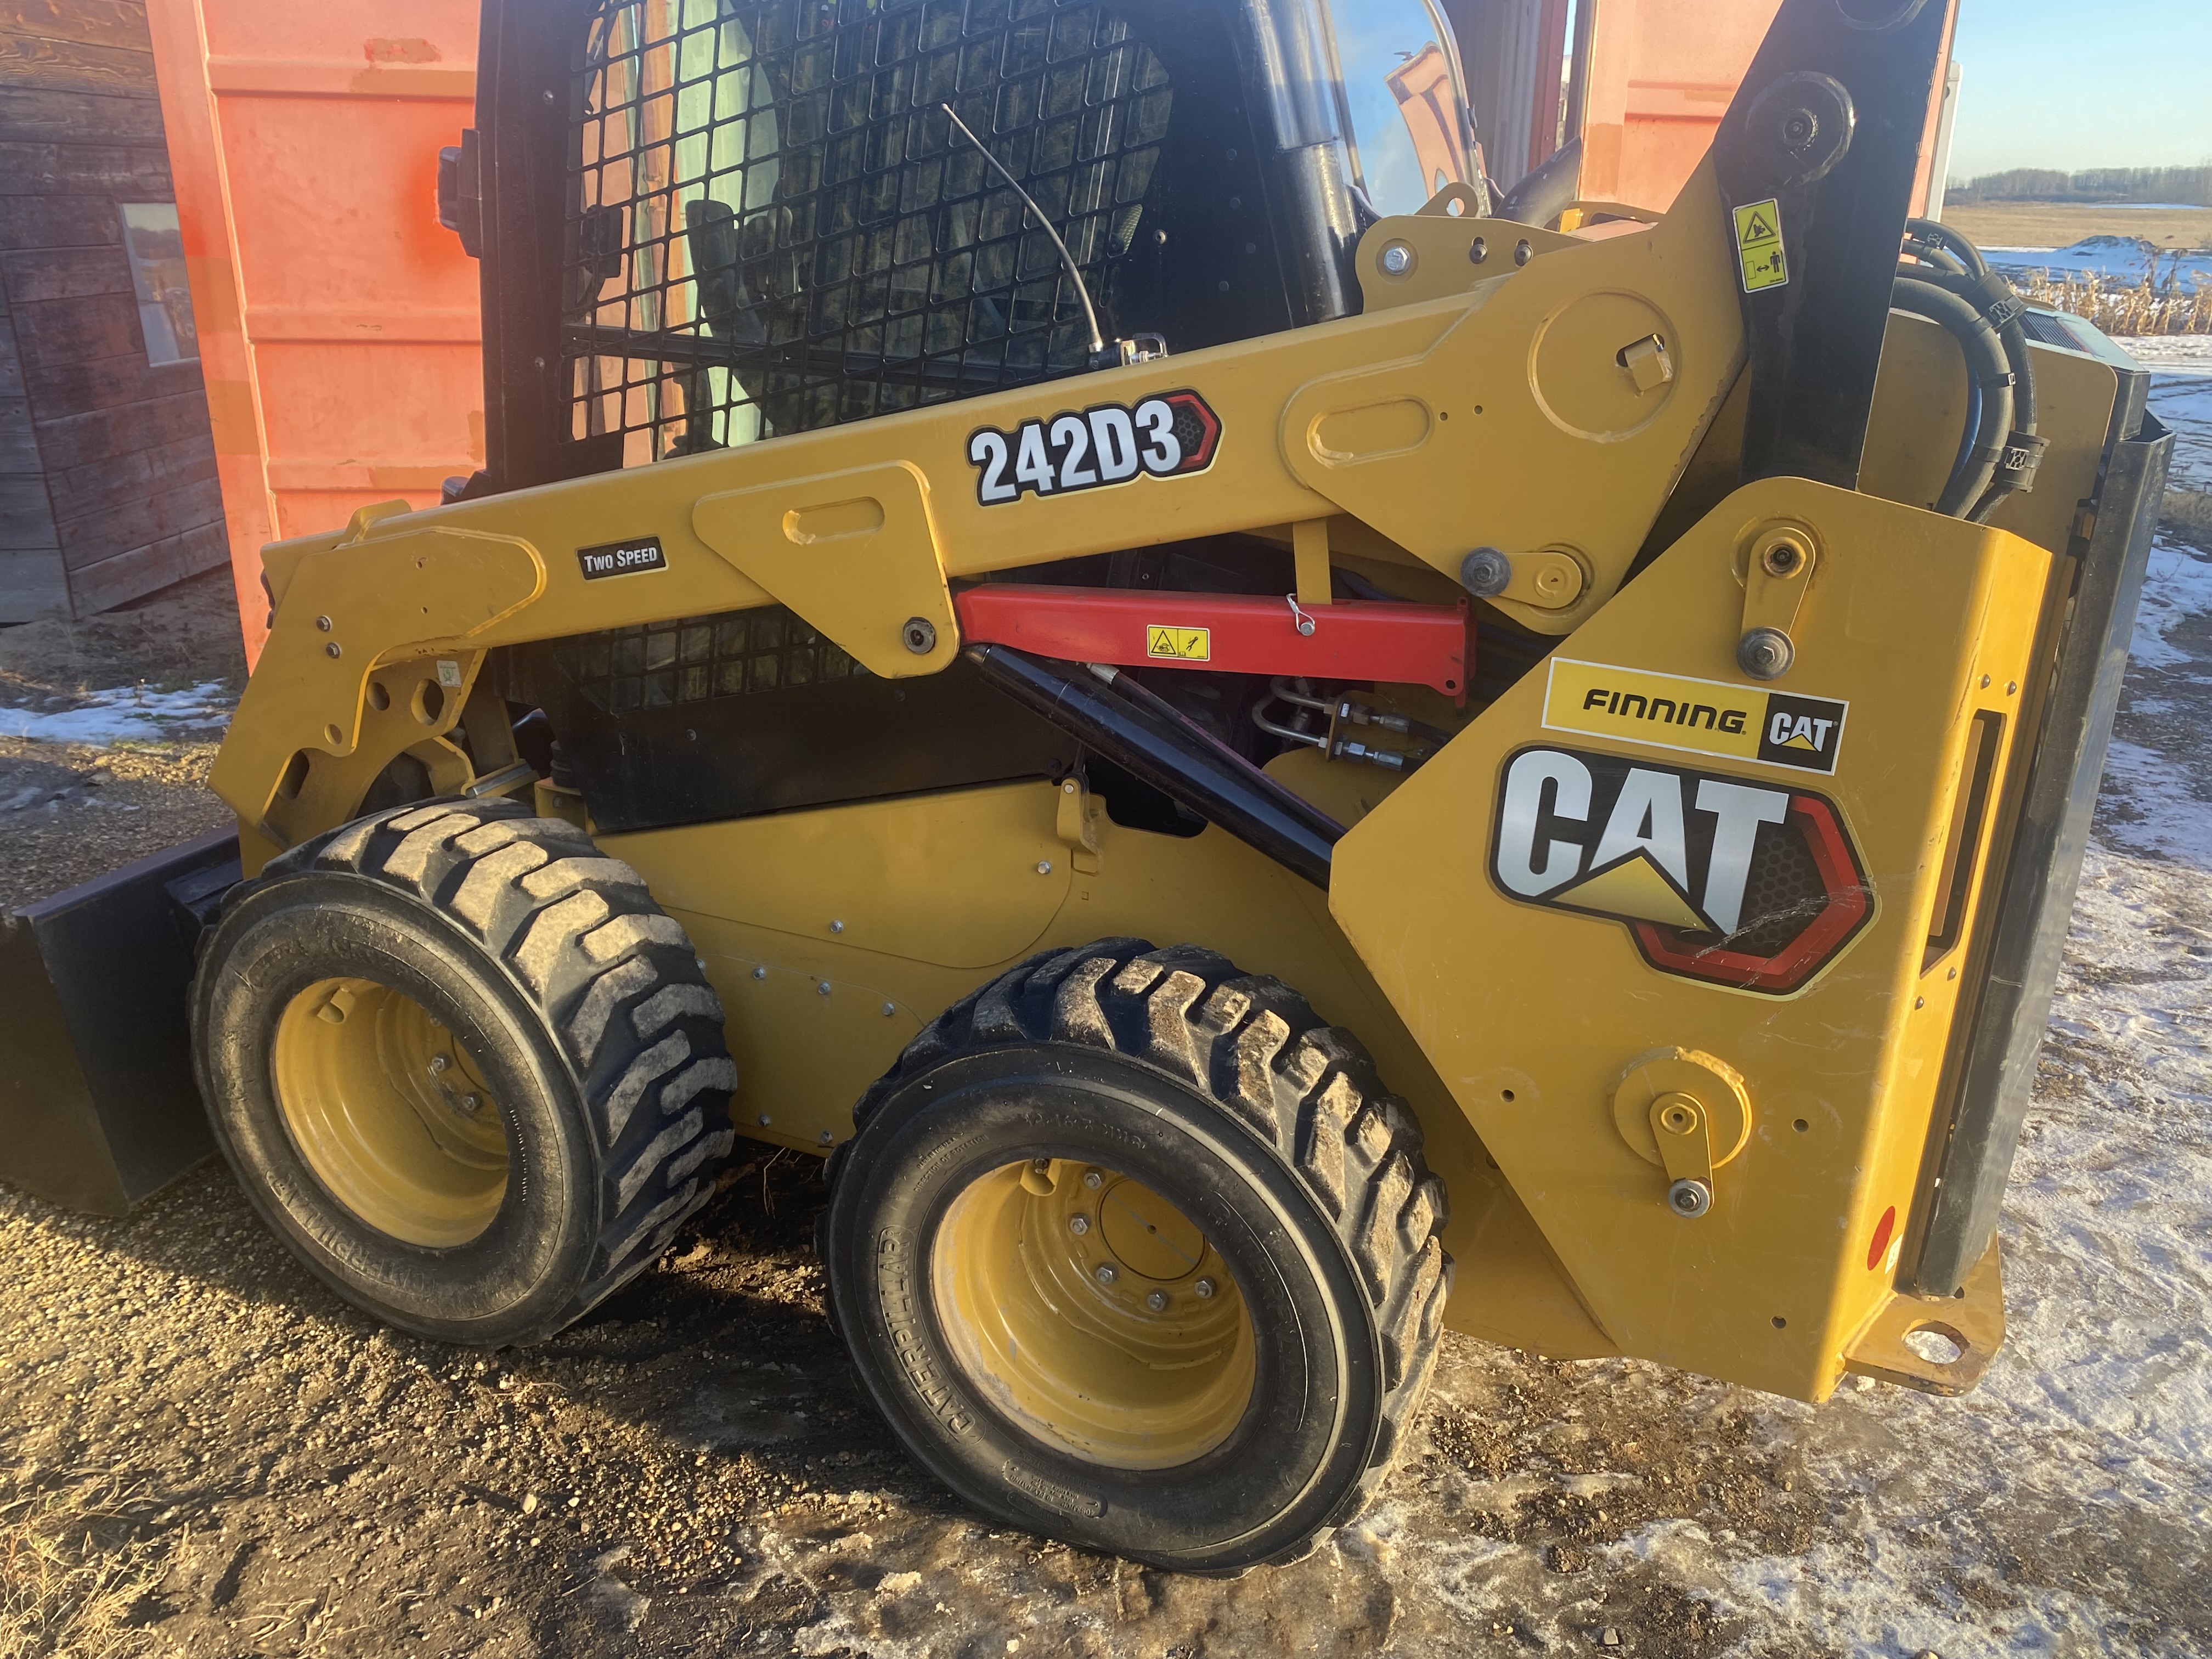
(2146, 308)
(73, 1572)
(2061, 224)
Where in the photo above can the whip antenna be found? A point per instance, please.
(1082, 289)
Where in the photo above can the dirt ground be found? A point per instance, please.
(2062, 224)
(202, 1453)
(690, 1472)
(182, 635)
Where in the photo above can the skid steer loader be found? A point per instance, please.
(1265, 760)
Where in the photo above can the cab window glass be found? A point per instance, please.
(1401, 100)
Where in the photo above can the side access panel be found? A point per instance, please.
(1643, 891)
(98, 1108)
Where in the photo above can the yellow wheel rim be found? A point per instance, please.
(390, 1112)
(1091, 1312)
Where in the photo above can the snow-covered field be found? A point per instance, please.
(2123, 259)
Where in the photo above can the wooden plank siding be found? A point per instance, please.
(107, 475)
(33, 581)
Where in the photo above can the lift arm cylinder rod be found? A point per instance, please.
(1146, 736)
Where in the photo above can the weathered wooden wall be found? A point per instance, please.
(107, 477)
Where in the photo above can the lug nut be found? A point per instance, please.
(1104, 1274)
(469, 1103)
(1079, 1224)
(1157, 1301)
(1093, 1180)
(437, 1063)
(1204, 1289)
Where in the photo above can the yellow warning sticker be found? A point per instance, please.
(1179, 644)
(1759, 246)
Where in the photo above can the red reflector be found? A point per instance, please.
(1230, 633)
(1882, 1229)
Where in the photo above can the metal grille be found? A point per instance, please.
(699, 658)
(773, 227)
(1785, 895)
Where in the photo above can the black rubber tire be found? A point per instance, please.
(1270, 1131)
(579, 1000)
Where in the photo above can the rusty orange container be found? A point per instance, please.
(338, 321)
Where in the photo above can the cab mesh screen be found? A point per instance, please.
(692, 659)
(773, 225)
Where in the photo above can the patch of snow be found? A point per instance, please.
(2168, 820)
(2181, 396)
(2126, 259)
(2171, 353)
(127, 714)
(2177, 586)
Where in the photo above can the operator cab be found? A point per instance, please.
(765, 221)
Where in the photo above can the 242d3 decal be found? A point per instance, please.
(1719, 878)
(1162, 437)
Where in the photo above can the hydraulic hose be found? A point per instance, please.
(1952, 262)
(1548, 192)
(1988, 367)
(1937, 233)
(1941, 258)
(2014, 339)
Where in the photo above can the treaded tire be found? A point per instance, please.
(578, 999)
(1225, 1093)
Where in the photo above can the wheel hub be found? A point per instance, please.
(1093, 1313)
(388, 1109)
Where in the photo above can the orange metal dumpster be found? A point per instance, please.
(338, 322)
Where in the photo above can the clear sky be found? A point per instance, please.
(2083, 83)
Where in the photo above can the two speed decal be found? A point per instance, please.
(1162, 437)
(622, 558)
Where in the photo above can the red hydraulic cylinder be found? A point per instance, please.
(1229, 633)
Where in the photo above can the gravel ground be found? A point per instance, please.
(202, 1453)
(69, 811)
